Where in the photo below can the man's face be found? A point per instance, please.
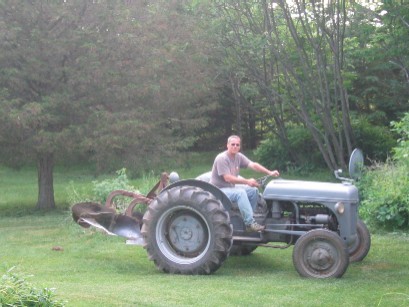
(233, 146)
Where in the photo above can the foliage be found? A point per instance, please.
(385, 186)
(284, 62)
(401, 152)
(305, 155)
(384, 196)
(135, 83)
(101, 190)
(118, 83)
(16, 291)
(317, 63)
(114, 81)
(377, 53)
(271, 154)
(376, 141)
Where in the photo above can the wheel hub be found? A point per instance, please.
(187, 235)
(321, 258)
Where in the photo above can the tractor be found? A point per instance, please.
(191, 227)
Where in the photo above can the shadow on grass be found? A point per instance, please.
(261, 262)
(129, 260)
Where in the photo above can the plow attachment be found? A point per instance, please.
(128, 224)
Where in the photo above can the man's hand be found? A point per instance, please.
(274, 173)
(252, 182)
(261, 169)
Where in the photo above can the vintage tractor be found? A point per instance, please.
(191, 227)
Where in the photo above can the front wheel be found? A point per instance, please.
(320, 253)
(359, 250)
(187, 231)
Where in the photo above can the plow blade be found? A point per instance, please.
(92, 214)
(106, 218)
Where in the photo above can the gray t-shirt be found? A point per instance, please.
(224, 165)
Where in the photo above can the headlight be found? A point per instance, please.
(340, 207)
(173, 177)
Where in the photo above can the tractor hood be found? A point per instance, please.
(315, 191)
(310, 191)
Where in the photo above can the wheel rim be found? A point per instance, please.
(183, 235)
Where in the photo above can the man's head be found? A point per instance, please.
(233, 144)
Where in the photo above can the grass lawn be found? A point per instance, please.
(93, 269)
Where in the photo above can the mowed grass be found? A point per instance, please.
(88, 268)
(19, 188)
(94, 269)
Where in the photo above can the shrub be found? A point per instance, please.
(401, 152)
(375, 141)
(102, 189)
(385, 196)
(385, 187)
(272, 154)
(16, 291)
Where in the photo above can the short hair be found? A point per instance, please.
(233, 137)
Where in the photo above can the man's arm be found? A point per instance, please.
(261, 169)
(239, 180)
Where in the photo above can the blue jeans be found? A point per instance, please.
(246, 198)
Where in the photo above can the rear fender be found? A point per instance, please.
(217, 193)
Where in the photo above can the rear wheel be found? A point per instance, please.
(187, 231)
(320, 253)
(359, 250)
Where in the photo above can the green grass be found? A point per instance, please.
(94, 269)
(19, 189)
(100, 270)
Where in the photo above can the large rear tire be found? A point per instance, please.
(187, 231)
(359, 250)
(320, 253)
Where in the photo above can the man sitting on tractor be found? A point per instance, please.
(225, 175)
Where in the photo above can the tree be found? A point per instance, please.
(40, 55)
(292, 53)
(378, 56)
(115, 81)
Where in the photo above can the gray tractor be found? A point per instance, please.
(191, 227)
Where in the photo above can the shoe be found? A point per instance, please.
(255, 227)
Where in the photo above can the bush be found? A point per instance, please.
(385, 196)
(102, 189)
(385, 187)
(401, 152)
(272, 154)
(375, 141)
(16, 291)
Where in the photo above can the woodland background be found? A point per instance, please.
(139, 84)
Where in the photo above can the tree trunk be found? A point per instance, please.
(235, 84)
(45, 165)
